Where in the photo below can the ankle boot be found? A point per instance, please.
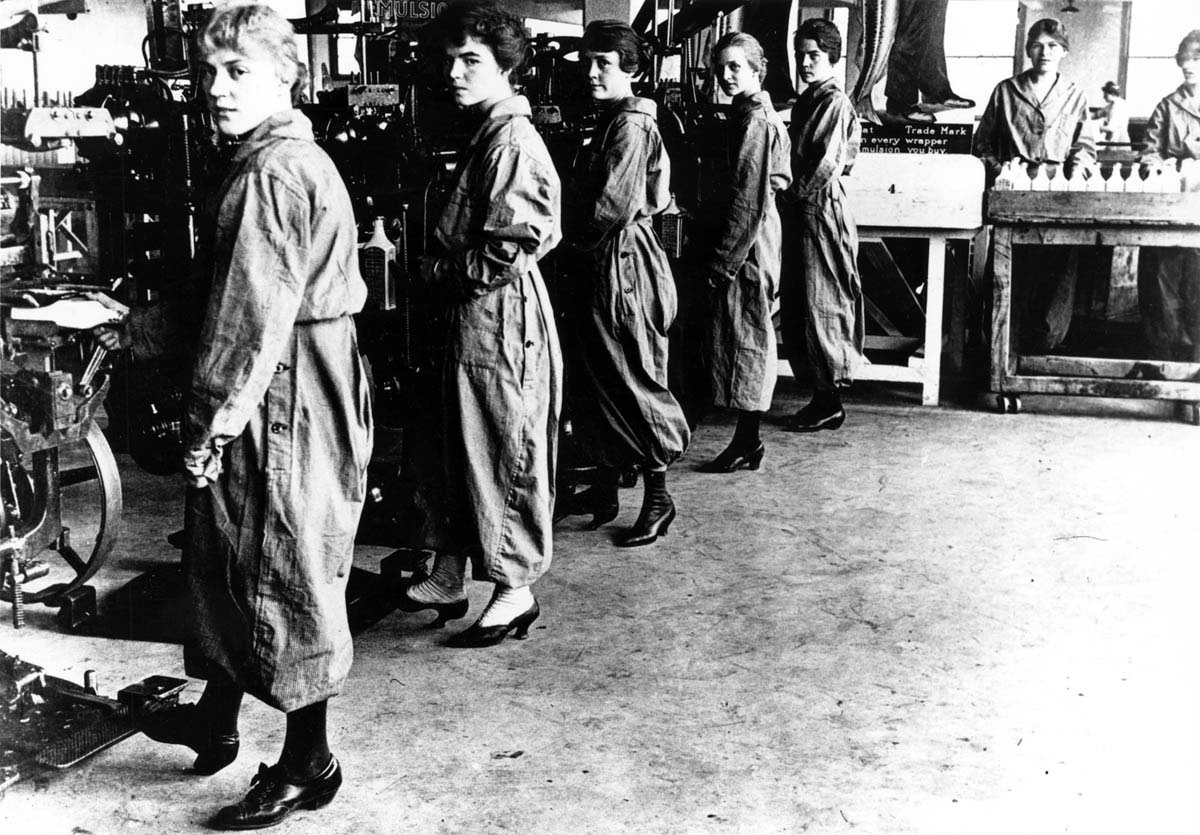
(658, 511)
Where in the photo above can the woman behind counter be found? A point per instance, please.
(1041, 118)
(628, 300)
(502, 380)
(1169, 278)
(822, 298)
(277, 428)
(743, 265)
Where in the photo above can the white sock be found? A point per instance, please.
(506, 604)
(445, 582)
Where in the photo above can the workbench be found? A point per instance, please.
(1066, 218)
(934, 197)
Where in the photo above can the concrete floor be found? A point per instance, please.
(933, 620)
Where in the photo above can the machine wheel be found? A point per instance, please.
(1008, 404)
(89, 486)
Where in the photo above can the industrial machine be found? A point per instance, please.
(57, 465)
(60, 493)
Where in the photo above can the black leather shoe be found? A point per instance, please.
(486, 636)
(651, 524)
(445, 611)
(814, 418)
(187, 725)
(273, 796)
(601, 501)
(733, 458)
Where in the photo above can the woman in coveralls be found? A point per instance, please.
(277, 427)
(1169, 278)
(742, 267)
(627, 298)
(502, 387)
(822, 298)
(1040, 118)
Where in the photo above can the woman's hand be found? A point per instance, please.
(201, 467)
(114, 337)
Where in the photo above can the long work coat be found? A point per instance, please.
(822, 301)
(621, 180)
(743, 267)
(503, 372)
(1169, 278)
(279, 419)
(1053, 131)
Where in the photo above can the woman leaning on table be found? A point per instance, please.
(742, 265)
(501, 389)
(277, 427)
(627, 294)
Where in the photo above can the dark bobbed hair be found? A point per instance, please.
(237, 25)
(1048, 26)
(1189, 47)
(827, 36)
(1112, 88)
(749, 45)
(500, 31)
(618, 37)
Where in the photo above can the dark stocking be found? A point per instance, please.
(306, 745)
(745, 434)
(220, 703)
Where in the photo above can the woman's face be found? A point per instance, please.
(608, 82)
(734, 73)
(474, 77)
(815, 66)
(1045, 53)
(1189, 65)
(243, 88)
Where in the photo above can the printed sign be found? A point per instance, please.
(917, 139)
(404, 11)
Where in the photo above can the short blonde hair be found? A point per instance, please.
(747, 44)
(236, 25)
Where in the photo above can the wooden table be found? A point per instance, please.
(934, 197)
(1085, 219)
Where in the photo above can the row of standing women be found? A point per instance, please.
(278, 420)
(630, 301)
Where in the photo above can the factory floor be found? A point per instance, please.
(935, 620)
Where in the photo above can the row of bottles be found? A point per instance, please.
(1016, 175)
